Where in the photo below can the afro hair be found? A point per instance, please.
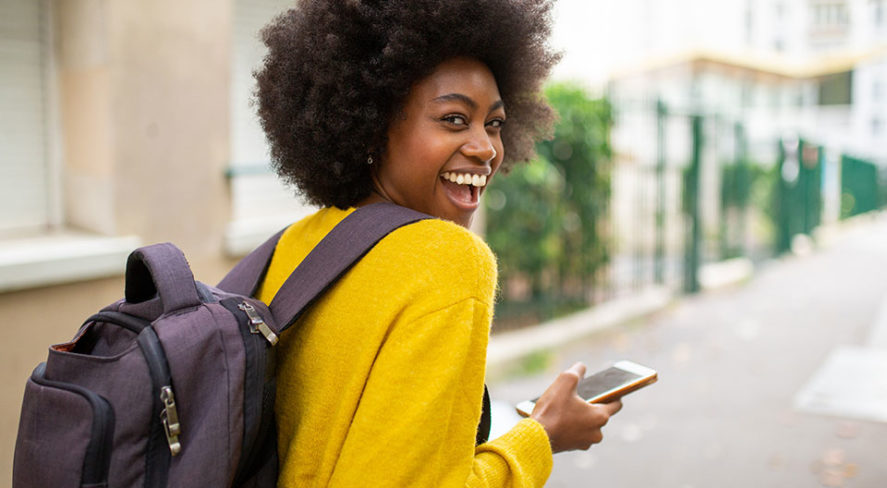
(337, 72)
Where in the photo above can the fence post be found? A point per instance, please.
(659, 263)
(819, 198)
(691, 189)
(743, 183)
(783, 220)
(728, 199)
(810, 176)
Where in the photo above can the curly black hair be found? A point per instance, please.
(338, 71)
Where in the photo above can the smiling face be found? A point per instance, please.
(446, 145)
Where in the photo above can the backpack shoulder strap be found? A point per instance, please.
(334, 255)
(247, 275)
(337, 253)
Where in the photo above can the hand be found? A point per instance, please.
(571, 422)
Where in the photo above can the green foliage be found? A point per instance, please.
(748, 190)
(544, 219)
(535, 363)
(521, 221)
(736, 182)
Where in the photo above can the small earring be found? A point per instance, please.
(370, 159)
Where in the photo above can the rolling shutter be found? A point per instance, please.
(24, 184)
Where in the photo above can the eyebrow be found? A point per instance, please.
(466, 100)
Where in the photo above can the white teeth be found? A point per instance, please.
(466, 179)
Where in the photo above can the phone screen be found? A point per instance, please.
(603, 381)
(604, 386)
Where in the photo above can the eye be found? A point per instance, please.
(455, 119)
(496, 123)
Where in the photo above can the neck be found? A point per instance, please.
(377, 195)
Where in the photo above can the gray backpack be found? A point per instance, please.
(173, 385)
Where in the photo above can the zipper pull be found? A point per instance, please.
(256, 324)
(170, 418)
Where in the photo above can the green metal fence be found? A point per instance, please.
(736, 202)
(725, 197)
(799, 191)
(863, 187)
(686, 189)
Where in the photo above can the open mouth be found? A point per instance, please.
(464, 188)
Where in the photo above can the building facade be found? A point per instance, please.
(816, 68)
(123, 123)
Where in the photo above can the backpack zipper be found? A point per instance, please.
(257, 324)
(169, 416)
(259, 367)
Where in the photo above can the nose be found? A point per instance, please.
(480, 147)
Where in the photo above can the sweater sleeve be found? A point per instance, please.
(416, 422)
(521, 457)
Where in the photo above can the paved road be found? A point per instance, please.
(732, 364)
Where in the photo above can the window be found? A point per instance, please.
(829, 16)
(836, 89)
(261, 204)
(25, 186)
(36, 249)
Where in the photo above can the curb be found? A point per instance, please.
(508, 346)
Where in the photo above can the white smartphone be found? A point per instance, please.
(605, 386)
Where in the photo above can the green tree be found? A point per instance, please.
(522, 221)
(545, 219)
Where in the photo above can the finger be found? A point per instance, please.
(597, 438)
(613, 407)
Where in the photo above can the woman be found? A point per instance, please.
(415, 102)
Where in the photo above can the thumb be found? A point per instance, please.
(577, 369)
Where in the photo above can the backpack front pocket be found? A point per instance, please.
(65, 436)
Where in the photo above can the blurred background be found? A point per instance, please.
(713, 160)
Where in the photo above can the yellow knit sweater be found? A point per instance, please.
(380, 383)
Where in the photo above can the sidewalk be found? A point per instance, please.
(510, 346)
(745, 375)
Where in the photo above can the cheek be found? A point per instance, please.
(415, 166)
(426, 157)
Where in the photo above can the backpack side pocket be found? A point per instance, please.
(65, 436)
